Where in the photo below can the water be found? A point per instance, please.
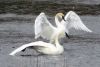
(81, 50)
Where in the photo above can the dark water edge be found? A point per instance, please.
(51, 8)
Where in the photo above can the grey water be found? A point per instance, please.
(81, 50)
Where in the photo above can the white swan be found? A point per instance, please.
(45, 29)
(43, 47)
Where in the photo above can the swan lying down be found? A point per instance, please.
(43, 47)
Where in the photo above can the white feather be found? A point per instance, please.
(43, 27)
(74, 21)
(38, 44)
(42, 47)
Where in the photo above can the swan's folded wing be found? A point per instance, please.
(74, 21)
(38, 44)
(43, 27)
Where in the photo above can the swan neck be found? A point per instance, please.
(57, 21)
(57, 41)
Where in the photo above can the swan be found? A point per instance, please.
(46, 30)
(43, 47)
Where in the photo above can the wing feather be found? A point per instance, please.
(74, 21)
(38, 44)
(43, 27)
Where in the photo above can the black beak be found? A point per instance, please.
(63, 18)
(67, 35)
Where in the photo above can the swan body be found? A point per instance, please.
(42, 26)
(46, 30)
(42, 47)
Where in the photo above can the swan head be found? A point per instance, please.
(60, 16)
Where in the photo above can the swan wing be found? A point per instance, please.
(74, 21)
(38, 43)
(43, 27)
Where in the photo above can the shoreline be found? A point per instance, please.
(51, 8)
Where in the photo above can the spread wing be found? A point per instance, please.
(38, 44)
(43, 27)
(74, 21)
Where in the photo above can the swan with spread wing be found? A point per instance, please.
(43, 47)
(46, 30)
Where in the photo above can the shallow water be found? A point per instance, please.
(81, 50)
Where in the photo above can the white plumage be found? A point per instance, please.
(74, 21)
(46, 30)
(43, 27)
(42, 47)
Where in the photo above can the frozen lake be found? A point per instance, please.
(81, 50)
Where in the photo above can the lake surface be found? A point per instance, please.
(81, 50)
